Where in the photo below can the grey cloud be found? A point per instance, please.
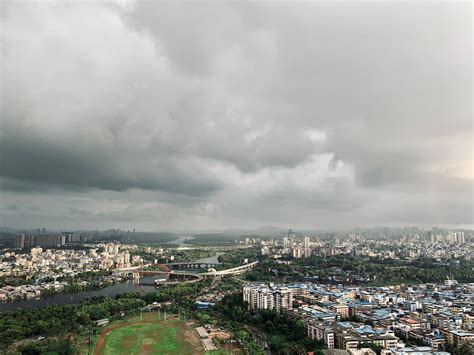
(33, 159)
(155, 95)
(374, 75)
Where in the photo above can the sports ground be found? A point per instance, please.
(149, 335)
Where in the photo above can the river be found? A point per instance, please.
(66, 298)
(181, 240)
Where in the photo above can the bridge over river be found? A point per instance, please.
(192, 265)
(173, 276)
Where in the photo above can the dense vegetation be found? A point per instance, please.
(236, 257)
(213, 239)
(384, 271)
(191, 254)
(62, 319)
(65, 325)
(179, 255)
(356, 269)
(283, 334)
(15, 281)
(155, 238)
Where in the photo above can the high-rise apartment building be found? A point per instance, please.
(265, 297)
(49, 240)
(19, 241)
(297, 252)
(306, 242)
(283, 299)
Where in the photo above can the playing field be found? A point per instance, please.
(149, 335)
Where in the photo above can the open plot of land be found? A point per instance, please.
(150, 335)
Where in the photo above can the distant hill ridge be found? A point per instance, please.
(270, 231)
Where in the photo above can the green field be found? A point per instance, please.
(149, 335)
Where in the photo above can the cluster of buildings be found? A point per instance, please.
(435, 245)
(290, 245)
(451, 237)
(43, 269)
(48, 240)
(437, 318)
(276, 298)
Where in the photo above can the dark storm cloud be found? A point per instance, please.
(33, 159)
(211, 114)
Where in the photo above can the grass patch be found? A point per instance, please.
(149, 335)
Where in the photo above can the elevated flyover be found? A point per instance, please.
(233, 271)
(140, 271)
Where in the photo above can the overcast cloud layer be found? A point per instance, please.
(172, 116)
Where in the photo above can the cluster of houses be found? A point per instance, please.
(422, 319)
(39, 272)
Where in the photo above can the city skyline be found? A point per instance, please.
(167, 116)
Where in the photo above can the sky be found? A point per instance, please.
(210, 115)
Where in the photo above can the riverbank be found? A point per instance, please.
(73, 298)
